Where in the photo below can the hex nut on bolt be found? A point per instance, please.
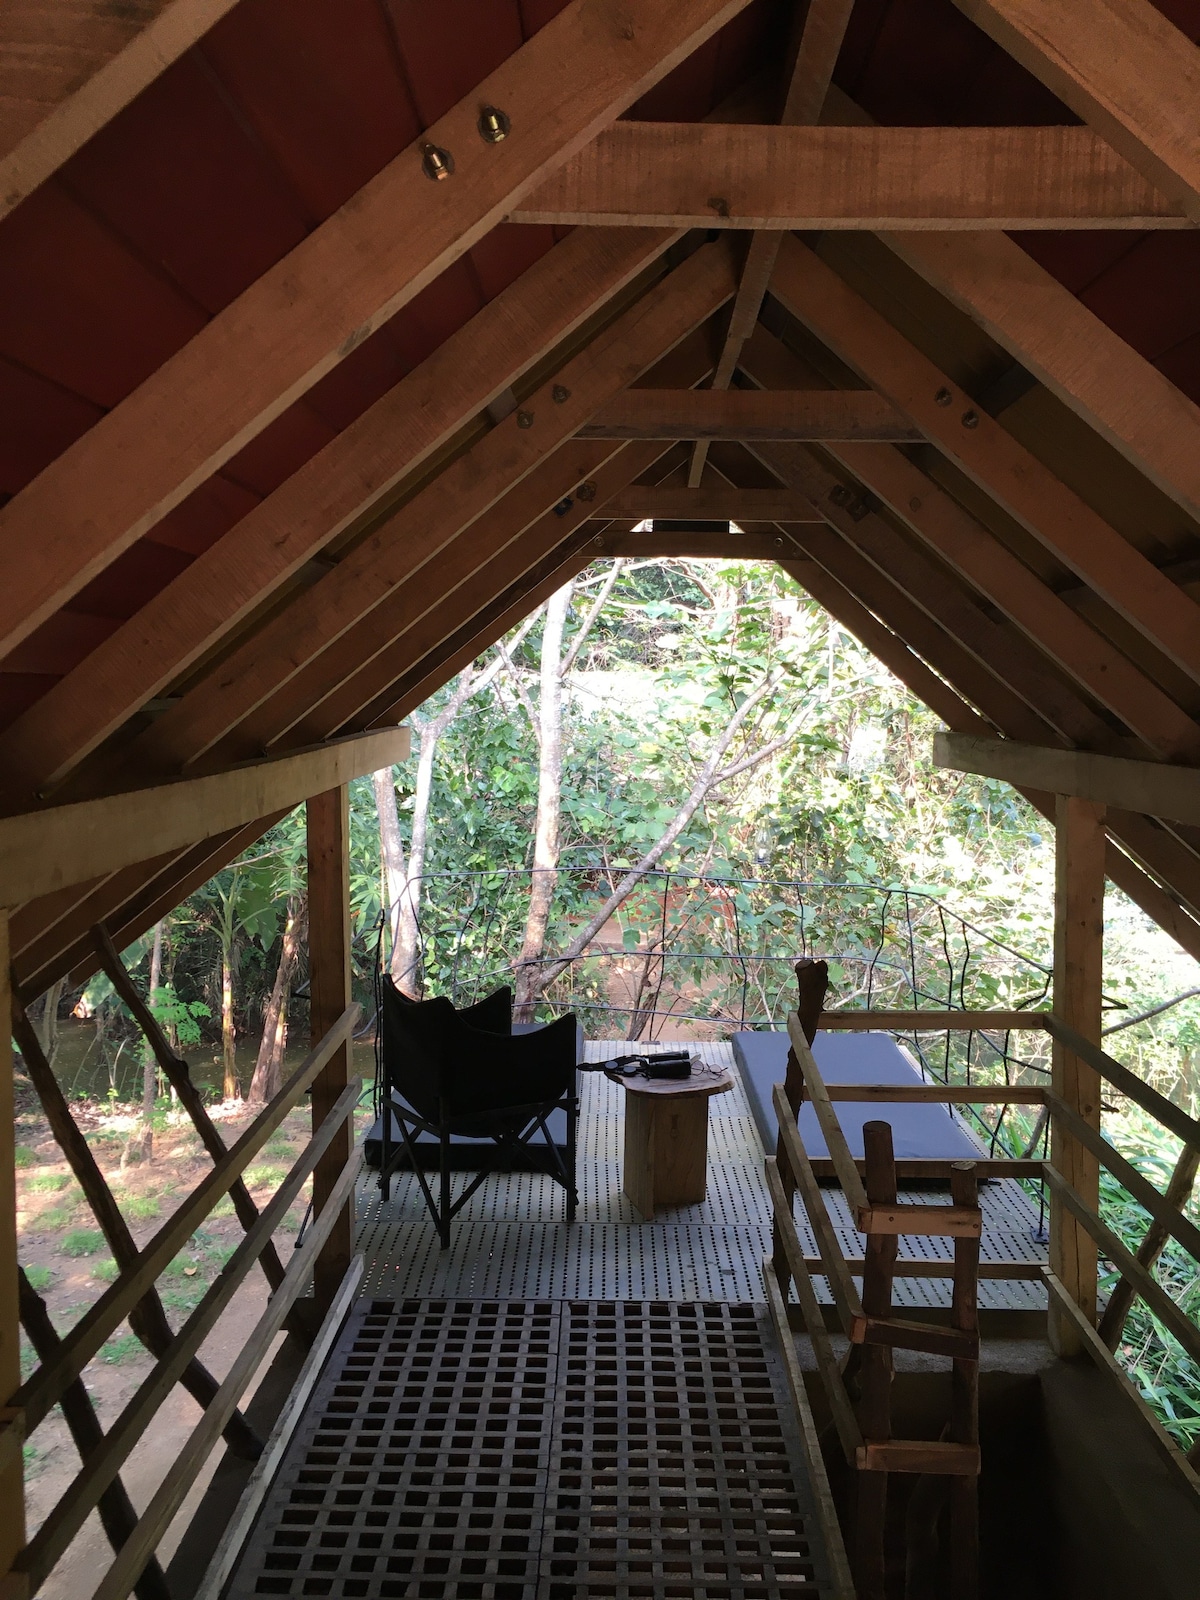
(494, 125)
(560, 395)
(970, 419)
(524, 419)
(943, 397)
(586, 491)
(436, 163)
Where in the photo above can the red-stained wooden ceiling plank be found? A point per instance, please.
(1182, 366)
(504, 254)
(20, 690)
(38, 420)
(449, 47)
(205, 515)
(357, 382)
(280, 449)
(133, 578)
(59, 644)
(183, 179)
(1076, 259)
(1148, 295)
(322, 87)
(78, 306)
(431, 317)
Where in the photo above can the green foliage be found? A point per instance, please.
(266, 1176)
(55, 1218)
(82, 1242)
(184, 1016)
(122, 1348)
(47, 1182)
(23, 1156)
(40, 1278)
(139, 1207)
(107, 1271)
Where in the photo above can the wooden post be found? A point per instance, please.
(12, 1464)
(329, 990)
(1078, 975)
(812, 977)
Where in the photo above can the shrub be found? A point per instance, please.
(82, 1242)
(47, 1182)
(39, 1278)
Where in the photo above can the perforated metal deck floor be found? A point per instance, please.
(510, 1239)
(542, 1450)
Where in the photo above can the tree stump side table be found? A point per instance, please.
(666, 1139)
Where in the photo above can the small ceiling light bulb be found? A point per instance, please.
(494, 125)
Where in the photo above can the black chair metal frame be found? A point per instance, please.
(435, 1030)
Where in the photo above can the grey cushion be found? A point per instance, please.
(930, 1132)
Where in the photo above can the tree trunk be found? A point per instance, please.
(231, 1089)
(149, 1064)
(48, 1025)
(268, 1068)
(397, 880)
(549, 805)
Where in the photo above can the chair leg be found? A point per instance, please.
(444, 1161)
(385, 1159)
(572, 1168)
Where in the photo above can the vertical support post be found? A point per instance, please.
(329, 990)
(12, 1462)
(1078, 977)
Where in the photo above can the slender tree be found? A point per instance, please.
(268, 1067)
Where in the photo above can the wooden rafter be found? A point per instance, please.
(352, 474)
(990, 456)
(981, 560)
(1147, 786)
(288, 329)
(822, 28)
(68, 66)
(394, 552)
(1125, 69)
(750, 414)
(694, 175)
(713, 501)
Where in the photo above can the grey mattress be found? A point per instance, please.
(930, 1132)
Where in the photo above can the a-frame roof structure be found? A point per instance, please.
(330, 329)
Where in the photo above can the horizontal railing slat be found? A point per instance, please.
(932, 1021)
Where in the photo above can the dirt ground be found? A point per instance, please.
(69, 1264)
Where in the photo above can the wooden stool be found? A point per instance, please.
(666, 1139)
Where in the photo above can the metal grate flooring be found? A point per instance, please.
(531, 1449)
(510, 1240)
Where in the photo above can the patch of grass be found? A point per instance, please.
(223, 1208)
(31, 1456)
(39, 1278)
(140, 1206)
(107, 1270)
(185, 1295)
(257, 1177)
(47, 1182)
(82, 1242)
(55, 1218)
(279, 1147)
(123, 1348)
(23, 1156)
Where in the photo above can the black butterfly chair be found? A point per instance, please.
(466, 1073)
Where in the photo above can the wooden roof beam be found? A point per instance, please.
(722, 502)
(42, 851)
(778, 179)
(991, 457)
(357, 469)
(1149, 787)
(395, 551)
(67, 67)
(1125, 69)
(750, 414)
(974, 554)
(341, 283)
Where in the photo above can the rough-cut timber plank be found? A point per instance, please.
(701, 546)
(41, 851)
(750, 414)
(1123, 68)
(392, 553)
(695, 175)
(1147, 786)
(68, 66)
(712, 502)
(1141, 413)
(12, 1437)
(304, 315)
(990, 456)
(353, 472)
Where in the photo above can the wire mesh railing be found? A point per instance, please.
(706, 955)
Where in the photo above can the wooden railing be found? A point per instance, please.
(57, 1379)
(866, 1319)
